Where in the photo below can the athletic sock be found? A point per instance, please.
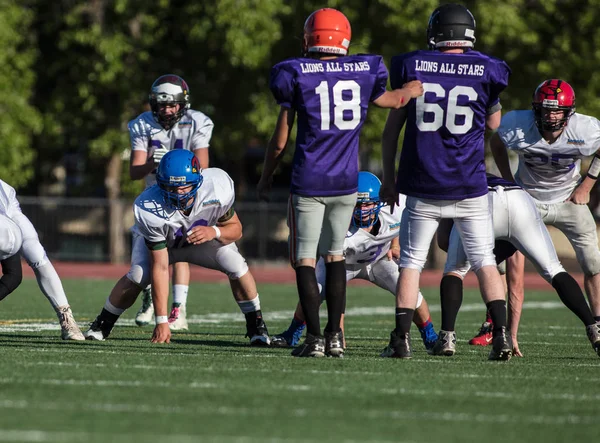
(451, 295)
(404, 318)
(571, 295)
(310, 299)
(335, 294)
(497, 310)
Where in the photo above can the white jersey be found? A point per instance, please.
(158, 223)
(549, 172)
(9, 205)
(192, 132)
(362, 248)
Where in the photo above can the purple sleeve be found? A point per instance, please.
(381, 81)
(397, 72)
(498, 81)
(282, 84)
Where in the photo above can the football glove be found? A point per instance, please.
(159, 153)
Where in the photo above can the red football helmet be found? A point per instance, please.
(326, 31)
(553, 95)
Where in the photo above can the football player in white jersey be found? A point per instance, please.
(551, 139)
(371, 248)
(517, 226)
(170, 124)
(187, 216)
(35, 255)
(11, 240)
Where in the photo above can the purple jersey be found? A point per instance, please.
(443, 154)
(330, 98)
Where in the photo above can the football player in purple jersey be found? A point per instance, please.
(329, 91)
(442, 167)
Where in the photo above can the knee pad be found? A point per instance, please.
(590, 263)
(139, 276)
(419, 300)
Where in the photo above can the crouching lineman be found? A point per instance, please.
(35, 255)
(187, 216)
(518, 223)
(11, 240)
(370, 247)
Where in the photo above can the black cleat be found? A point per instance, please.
(334, 344)
(256, 329)
(313, 346)
(99, 330)
(399, 346)
(501, 346)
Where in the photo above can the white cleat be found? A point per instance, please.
(68, 325)
(146, 313)
(91, 334)
(177, 319)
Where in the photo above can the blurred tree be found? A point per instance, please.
(20, 120)
(97, 59)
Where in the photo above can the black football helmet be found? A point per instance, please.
(169, 90)
(451, 26)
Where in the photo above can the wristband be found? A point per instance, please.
(218, 232)
(594, 169)
(160, 319)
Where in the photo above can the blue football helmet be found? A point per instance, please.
(368, 195)
(177, 169)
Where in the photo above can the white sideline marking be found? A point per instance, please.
(226, 317)
(265, 411)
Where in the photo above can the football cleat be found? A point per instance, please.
(177, 319)
(146, 313)
(334, 344)
(68, 326)
(593, 333)
(484, 336)
(288, 338)
(445, 344)
(399, 346)
(99, 330)
(429, 336)
(313, 346)
(256, 330)
(501, 346)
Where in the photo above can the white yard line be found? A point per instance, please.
(29, 325)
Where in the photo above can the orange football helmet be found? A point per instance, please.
(326, 31)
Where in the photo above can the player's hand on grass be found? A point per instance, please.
(516, 351)
(162, 333)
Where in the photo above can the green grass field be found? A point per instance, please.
(208, 385)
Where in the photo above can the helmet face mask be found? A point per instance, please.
(553, 105)
(451, 26)
(169, 90)
(368, 204)
(179, 177)
(326, 32)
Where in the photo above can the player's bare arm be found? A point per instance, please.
(227, 230)
(160, 294)
(515, 282)
(140, 165)
(275, 150)
(399, 98)
(581, 194)
(394, 252)
(500, 154)
(389, 140)
(202, 156)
